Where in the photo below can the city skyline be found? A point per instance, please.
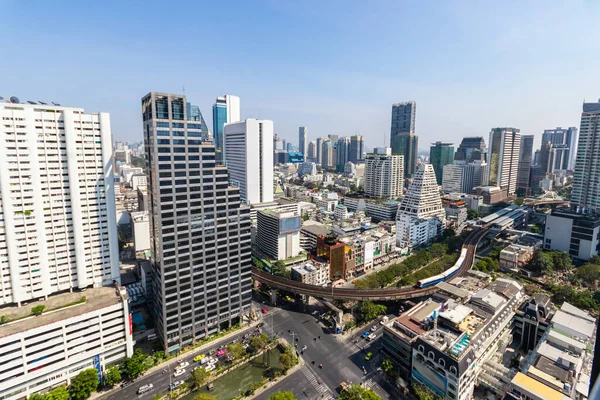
(315, 92)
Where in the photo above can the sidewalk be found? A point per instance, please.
(175, 360)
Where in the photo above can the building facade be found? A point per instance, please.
(577, 234)
(420, 216)
(327, 160)
(586, 180)
(278, 234)
(403, 140)
(462, 178)
(384, 174)
(248, 152)
(303, 141)
(503, 159)
(440, 154)
(342, 153)
(226, 110)
(356, 153)
(57, 202)
(312, 151)
(525, 163)
(566, 139)
(196, 217)
(39, 353)
(471, 149)
(311, 273)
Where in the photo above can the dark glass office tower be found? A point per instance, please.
(200, 232)
(403, 140)
(440, 154)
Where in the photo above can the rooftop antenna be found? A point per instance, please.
(184, 90)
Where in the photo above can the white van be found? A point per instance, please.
(145, 388)
(152, 336)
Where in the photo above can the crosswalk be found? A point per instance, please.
(321, 388)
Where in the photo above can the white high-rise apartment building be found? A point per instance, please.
(57, 201)
(586, 180)
(503, 159)
(248, 152)
(303, 141)
(420, 215)
(384, 173)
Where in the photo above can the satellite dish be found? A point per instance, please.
(41, 102)
(1, 98)
(31, 102)
(56, 104)
(14, 99)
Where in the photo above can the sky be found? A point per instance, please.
(335, 67)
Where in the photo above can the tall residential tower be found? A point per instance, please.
(303, 141)
(384, 174)
(503, 159)
(200, 232)
(586, 182)
(57, 204)
(440, 154)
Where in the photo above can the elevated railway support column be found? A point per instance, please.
(273, 297)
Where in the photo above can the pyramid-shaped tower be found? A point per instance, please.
(420, 215)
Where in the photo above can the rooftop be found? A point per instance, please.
(95, 299)
(570, 309)
(315, 228)
(582, 326)
(539, 389)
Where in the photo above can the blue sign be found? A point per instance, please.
(97, 365)
(173, 348)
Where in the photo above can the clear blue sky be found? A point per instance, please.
(333, 66)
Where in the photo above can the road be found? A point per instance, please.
(162, 378)
(342, 359)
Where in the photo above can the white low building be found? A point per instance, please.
(278, 234)
(46, 351)
(138, 180)
(311, 274)
(140, 228)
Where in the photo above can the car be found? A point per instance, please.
(211, 353)
(199, 357)
(183, 364)
(175, 384)
(343, 387)
(221, 352)
(210, 367)
(368, 356)
(179, 372)
(264, 310)
(384, 320)
(373, 328)
(365, 334)
(288, 298)
(372, 336)
(145, 388)
(261, 324)
(126, 383)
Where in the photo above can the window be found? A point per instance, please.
(162, 125)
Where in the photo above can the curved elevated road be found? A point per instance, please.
(404, 292)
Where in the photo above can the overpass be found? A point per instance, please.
(397, 293)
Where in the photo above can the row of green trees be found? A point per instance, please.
(81, 387)
(418, 259)
(545, 262)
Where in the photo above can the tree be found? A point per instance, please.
(287, 359)
(236, 350)
(449, 232)
(38, 310)
(561, 260)
(437, 250)
(134, 365)
(84, 384)
(259, 342)
(282, 396)
(112, 375)
(541, 262)
(535, 229)
(519, 201)
(369, 310)
(278, 268)
(60, 393)
(356, 392)
(199, 377)
(121, 242)
(387, 366)
(205, 396)
(4, 319)
(37, 396)
(473, 214)
(423, 392)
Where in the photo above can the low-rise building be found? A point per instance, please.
(531, 320)
(490, 194)
(138, 180)
(577, 234)
(140, 229)
(335, 252)
(369, 249)
(456, 213)
(514, 257)
(326, 201)
(341, 212)
(309, 233)
(311, 273)
(38, 353)
(142, 193)
(382, 211)
(278, 234)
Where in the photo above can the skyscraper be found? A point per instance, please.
(343, 153)
(303, 141)
(248, 152)
(440, 154)
(402, 137)
(327, 153)
(356, 153)
(201, 257)
(420, 215)
(564, 142)
(319, 156)
(226, 110)
(471, 149)
(503, 159)
(586, 180)
(461, 177)
(525, 163)
(57, 202)
(384, 174)
(312, 151)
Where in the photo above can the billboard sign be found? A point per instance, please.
(289, 224)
